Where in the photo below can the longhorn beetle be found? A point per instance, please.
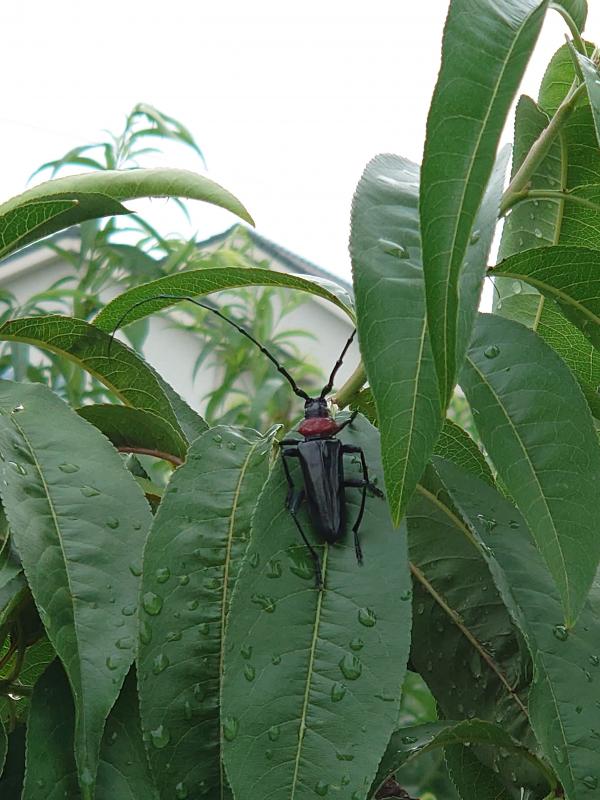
(320, 454)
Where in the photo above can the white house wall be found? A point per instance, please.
(173, 352)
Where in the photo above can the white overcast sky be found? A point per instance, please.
(287, 100)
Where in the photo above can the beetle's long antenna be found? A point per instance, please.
(329, 385)
(295, 388)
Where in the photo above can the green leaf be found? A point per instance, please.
(591, 77)
(578, 132)
(456, 445)
(195, 283)
(123, 772)
(78, 520)
(576, 9)
(472, 779)
(538, 431)
(3, 746)
(580, 224)
(136, 431)
(11, 780)
(571, 345)
(120, 369)
(568, 275)
(533, 223)
(60, 203)
(191, 560)
(566, 724)
(385, 247)
(466, 117)
(409, 743)
(313, 678)
(460, 618)
(50, 772)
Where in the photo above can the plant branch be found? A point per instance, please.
(540, 148)
(352, 386)
(148, 451)
(551, 194)
(574, 30)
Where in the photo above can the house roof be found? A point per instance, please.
(291, 261)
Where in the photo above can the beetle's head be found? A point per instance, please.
(316, 407)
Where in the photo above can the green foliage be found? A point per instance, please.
(460, 659)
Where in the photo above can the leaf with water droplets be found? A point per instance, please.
(321, 659)
(566, 735)
(466, 117)
(409, 743)
(51, 774)
(194, 549)
(460, 619)
(124, 373)
(539, 433)
(67, 549)
(390, 302)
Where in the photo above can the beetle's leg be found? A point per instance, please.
(350, 448)
(286, 442)
(349, 421)
(363, 484)
(293, 502)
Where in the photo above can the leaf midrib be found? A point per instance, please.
(311, 661)
(224, 598)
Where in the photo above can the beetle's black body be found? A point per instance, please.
(321, 461)
(320, 455)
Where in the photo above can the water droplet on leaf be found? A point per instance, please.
(160, 737)
(68, 468)
(357, 644)
(163, 574)
(560, 633)
(249, 672)
(274, 733)
(264, 601)
(160, 663)
(367, 617)
(112, 522)
(152, 604)
(491, 351)
(338, 692)
(230, 728)
(89, 491)
(351, 667)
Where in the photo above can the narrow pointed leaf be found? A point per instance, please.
(77, 520)
(576, 351)
(566, 727)
(591, 77)
(11, 779)
(568, 275)
(313, 678)
(472, 779)
(118, 367)
(466, 118)
(195, 283)
(576, 9)
(50, 771)
(37, 212)
(408, 743)
(456, 445)
(123, 771)
(533, 223)
(136, 431)
(191, 561)
(536, 426)
(459, 617)
(385, 246)
(3, 746)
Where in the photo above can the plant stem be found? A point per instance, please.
(352, 386)
(552, 194)
(574, 30)
(148, 451)
(540, 148)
